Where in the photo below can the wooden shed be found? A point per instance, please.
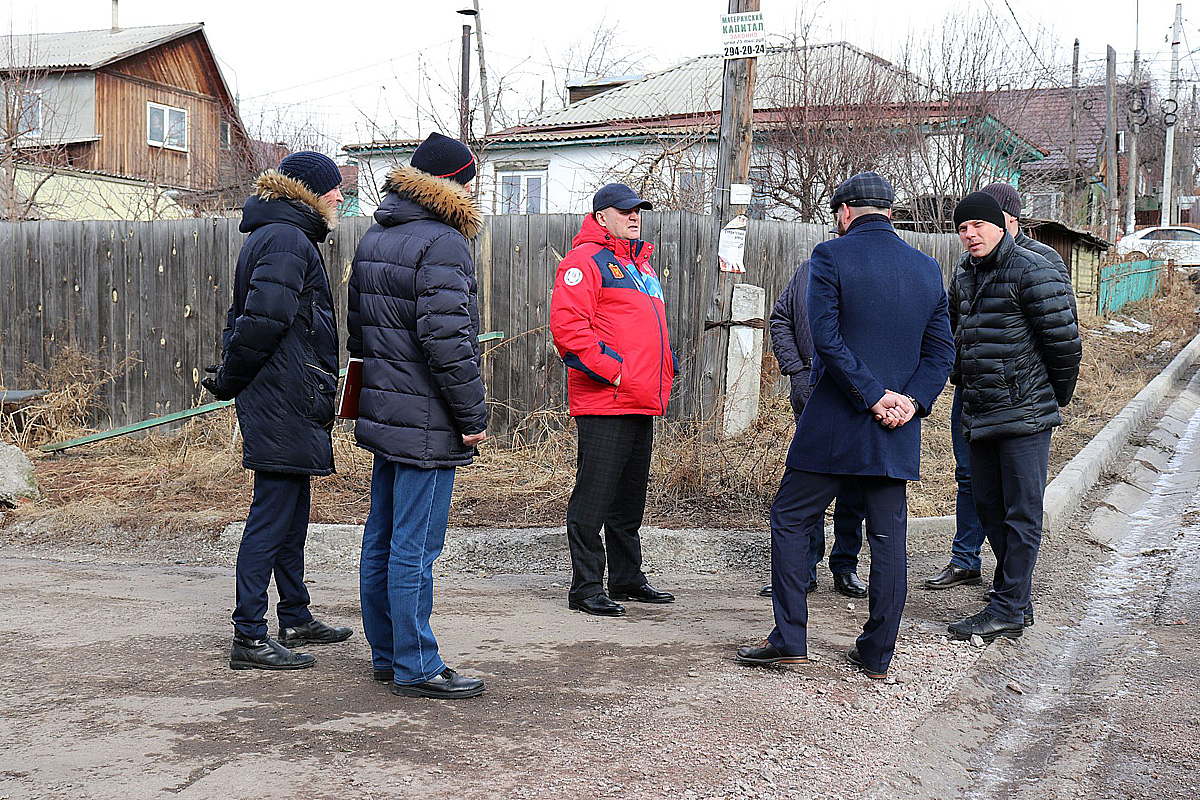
(1082, 252)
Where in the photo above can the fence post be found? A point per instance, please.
(743, 359)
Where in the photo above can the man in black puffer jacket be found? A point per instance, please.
(414, 321)
(280, 362)
(1017, 360)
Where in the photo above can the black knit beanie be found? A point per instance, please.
(314, 170)
(978, 205)
(445, 158)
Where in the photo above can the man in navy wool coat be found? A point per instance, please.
(881, 334)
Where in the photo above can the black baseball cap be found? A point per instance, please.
(620, 196)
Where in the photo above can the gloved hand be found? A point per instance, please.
(213, 385)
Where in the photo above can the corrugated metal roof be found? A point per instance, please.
(84, 49)
(694, 86)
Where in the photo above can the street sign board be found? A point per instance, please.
(743, 35)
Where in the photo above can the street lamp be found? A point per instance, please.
(464, 120)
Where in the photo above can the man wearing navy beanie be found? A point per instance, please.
(1016, 363)
(443, 157)
(280, 360)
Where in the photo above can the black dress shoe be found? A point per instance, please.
(986, 627)
(265, 653)
(767, 654)
(447, 686)
(855, 658)
(848, 584)
(312, 632)
(642, 594)
(765, 591)
(599, 605)
(383, 675)
(954, 576)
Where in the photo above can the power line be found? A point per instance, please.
(352, 71)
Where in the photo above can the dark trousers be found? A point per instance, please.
(799, 506)
(848, 510)
(968, 531)
(1008, 476)
(612, 470)
(273, 543)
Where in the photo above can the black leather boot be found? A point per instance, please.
(265, 653)
(312, 632)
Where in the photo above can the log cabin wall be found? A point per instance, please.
(179, 74)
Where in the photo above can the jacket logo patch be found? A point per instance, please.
(573, 276)
(616, 271)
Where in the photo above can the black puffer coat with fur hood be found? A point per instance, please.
(280, 343)
(414, 320)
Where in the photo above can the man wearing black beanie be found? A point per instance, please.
(1017, 354)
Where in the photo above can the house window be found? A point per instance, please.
(225, 134)
(29, 121)
(166, 126)
(695, 189)
(522, 193)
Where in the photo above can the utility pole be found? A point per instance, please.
(464, 116)
(1071, 146)
(483, 87)
(733, 166)
(1111, 190)
(1132, 174)
(1170, 116)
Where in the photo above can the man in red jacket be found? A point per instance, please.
(610, 327)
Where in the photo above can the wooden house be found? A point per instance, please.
(146, 103)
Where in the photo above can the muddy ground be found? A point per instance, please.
(114, 681)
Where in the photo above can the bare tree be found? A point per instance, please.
(602, 52)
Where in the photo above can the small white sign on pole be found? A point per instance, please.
(743, 35)
(739, 194)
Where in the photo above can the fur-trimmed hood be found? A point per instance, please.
(449, 201)
(274, 185)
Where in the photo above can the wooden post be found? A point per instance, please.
(1112, 195)
(733, 166)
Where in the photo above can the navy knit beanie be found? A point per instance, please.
(445, 158)
(979, 205)
(314, 170)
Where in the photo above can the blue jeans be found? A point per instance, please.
(968, 533)
(404, 534)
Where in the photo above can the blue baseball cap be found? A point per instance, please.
(620, 196)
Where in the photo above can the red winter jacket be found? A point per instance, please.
(608, 319)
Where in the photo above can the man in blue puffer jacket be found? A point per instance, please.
(414, 321)
(280, 362)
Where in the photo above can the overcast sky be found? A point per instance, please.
(352, 68)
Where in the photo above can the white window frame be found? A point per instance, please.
(523, 197)
(166, 112)
(36, 132)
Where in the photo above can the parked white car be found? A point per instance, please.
(1164, 242)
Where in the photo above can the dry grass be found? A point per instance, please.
(191, 479)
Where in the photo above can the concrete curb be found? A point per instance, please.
(1078, 475)
(544, 550)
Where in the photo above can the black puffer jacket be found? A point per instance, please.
(414, 321)
(280, 342)
(1050, 254)
(1016, 341)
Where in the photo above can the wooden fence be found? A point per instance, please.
(155, 294)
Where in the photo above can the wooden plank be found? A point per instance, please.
(499, 357)
(10, 352)
(539, 280)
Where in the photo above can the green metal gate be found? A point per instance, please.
(1127, 282)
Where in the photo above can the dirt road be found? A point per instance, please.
(114, 681)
